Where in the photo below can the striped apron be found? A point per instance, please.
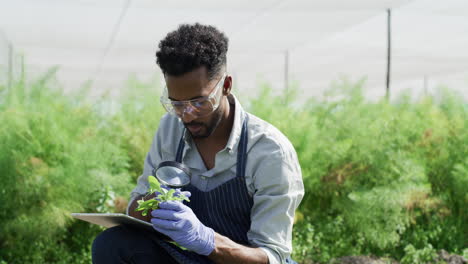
(226, 209)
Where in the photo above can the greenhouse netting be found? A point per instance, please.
(284, 43)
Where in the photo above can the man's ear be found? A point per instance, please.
(227, 85)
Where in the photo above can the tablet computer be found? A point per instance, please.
(110, 220)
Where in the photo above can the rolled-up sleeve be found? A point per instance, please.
(278, 192)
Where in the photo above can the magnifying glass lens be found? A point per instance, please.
(172, 175)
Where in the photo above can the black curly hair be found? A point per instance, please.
(190, 47)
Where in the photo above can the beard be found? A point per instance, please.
(207, 128)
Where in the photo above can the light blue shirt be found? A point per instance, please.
(273, 176)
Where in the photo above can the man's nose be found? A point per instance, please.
(188, 115)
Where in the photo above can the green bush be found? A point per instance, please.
(424, 255)
(384, 175)
(384, 179)
(58, 156)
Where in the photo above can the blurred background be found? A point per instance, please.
(372, 94)
(278, 41)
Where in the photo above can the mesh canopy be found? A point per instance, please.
(319, 41)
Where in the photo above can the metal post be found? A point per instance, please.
(286, 74)
(10, 68)
(425, 85)
(389, 46)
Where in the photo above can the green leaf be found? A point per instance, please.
(147, 202)
(154, 183)
(170, 194)
(164, 195)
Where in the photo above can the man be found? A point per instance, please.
(245, 177)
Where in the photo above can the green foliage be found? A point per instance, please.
(59, 155)
(394, 174)
(424, 255)
(133, 120)
(323, 239)
(164, 195)
(384, 179)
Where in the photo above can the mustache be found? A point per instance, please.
(193, 124)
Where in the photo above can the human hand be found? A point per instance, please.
(180, 223)
(159, 193)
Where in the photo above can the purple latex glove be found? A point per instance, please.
(177, 221)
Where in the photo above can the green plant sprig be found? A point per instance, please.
(163, 196)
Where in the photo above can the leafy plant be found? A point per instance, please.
(378, 176)
(424, 255)
(162, 195)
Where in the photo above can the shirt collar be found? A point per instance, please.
(239, 117)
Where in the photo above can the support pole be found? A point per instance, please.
(10, 68)
(425, 85)
(286, 72)
(389, 50)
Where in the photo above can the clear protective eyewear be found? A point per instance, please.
(199, 107)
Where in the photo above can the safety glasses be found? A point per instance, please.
(199, 107)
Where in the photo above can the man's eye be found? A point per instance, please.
(199, 103)
(177, 105)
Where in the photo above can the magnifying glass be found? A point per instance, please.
(172, 174)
